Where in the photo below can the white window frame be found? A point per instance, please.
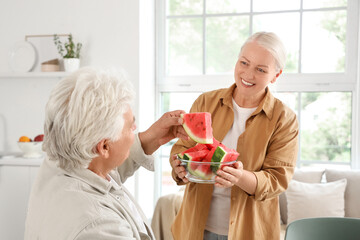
(291, 82)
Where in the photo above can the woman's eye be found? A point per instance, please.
(243, 62)
(261, 70)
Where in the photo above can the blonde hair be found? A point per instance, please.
(83, 109)
(271, 42)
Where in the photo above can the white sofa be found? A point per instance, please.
(321, 193)
(313, 193)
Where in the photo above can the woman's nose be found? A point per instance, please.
(248, 74)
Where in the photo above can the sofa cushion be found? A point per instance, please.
(306, 200)
(352, 192)
(307, 176)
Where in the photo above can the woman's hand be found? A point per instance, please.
(236, 175)
(178, 169)
(229, 175)
(168, 127)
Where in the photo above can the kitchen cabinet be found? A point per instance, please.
(16, 178)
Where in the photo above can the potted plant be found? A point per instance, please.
(70, 53)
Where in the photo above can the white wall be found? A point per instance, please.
(112, 32)
(109, 31)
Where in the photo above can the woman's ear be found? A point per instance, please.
(279, 73)
(103, 148)
(276, 76)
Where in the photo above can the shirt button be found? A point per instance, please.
(117, 197)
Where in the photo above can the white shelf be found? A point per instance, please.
(33, 75)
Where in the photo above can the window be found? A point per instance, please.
(198, 44)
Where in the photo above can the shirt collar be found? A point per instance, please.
(266, 105)
(87, 176)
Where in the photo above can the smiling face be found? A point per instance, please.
(254, 71)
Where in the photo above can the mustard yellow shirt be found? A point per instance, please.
(268, 147)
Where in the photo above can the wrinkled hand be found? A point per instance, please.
(178, 169)
(168, 127)
(229, 175)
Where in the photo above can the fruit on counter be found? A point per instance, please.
(198, 126)
(39, 138)
(24, 139)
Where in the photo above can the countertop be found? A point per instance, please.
(16, 159)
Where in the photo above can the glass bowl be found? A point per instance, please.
(202, 172)
(31, 149)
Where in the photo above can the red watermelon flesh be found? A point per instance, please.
(198, 126)
(197, 147)
(209, 155)
(230, 157)
(196, 156)
(203, 171)
(213, 145)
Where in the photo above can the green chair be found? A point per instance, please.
(326, 228)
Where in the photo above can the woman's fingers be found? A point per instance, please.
(222, 182)
(179, 169)
(229, 175)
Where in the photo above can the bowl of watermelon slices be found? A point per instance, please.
(202, 161)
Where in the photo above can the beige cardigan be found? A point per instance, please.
(82, 205)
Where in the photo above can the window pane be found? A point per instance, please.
(323, 3)
(184, 7)
(286, 26)
(227, 6)
(185, 47)
(326, 126)
(324, 39)
(170, 102)
(275, 5)
(224, 36)
(289, 98)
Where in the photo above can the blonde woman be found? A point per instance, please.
(243, 203)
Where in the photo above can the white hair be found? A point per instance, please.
(83, 109)
(272, 43)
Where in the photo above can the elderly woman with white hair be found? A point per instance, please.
(243, 203)
(92, 150)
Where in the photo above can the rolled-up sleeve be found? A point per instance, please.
(137, 158)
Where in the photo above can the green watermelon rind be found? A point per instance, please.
(195, 138)
(218, 157)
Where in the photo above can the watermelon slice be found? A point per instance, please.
(196, 156)
(197, 147)
(209, 155)
(203, 171)
(223, 155)
(214, 144)
(198, 126)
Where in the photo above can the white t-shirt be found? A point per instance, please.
(219, 214)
